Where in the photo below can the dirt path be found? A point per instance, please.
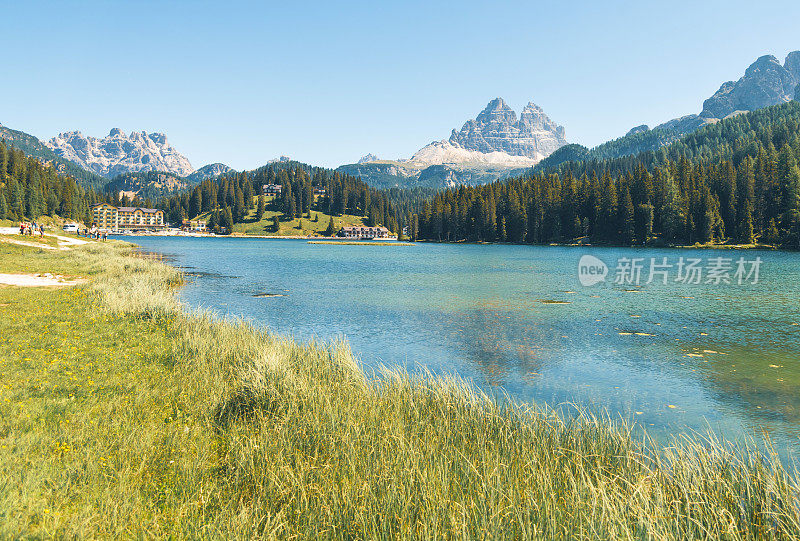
(64, 243)
(38, 280)
(29, 243)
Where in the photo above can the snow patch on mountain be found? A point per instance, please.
(445, 152)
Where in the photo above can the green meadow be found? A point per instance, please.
(315, 223)
(123, 415)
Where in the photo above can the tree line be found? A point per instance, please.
(737, 180)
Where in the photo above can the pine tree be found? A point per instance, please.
(226, 219)
(3, 206)
(3, 163)
(17, 202)
(771, 234)
(644, 222)
(195, 203)
(331, 231)
(276, 224)
(239, 207)
(626, 218)
(672, 215)
(516, 220)
(261, 207)
(727, 195)
(744, 230)
(788, 180)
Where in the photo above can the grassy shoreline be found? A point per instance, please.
(124, 415)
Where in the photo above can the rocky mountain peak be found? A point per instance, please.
(792, 64)
(766, 62)
(497, 111)
(765, 82)
(496, 129)
(368, 158)
(209, 171)
(118, 153)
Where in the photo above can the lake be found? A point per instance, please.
(671, 357)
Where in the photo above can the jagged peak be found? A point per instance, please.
(497, 104)
(497, 129)
(532, 107)
(767, 61)
(368, 158)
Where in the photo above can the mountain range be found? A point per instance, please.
(117, 162)
(496, 144)
(118, 153)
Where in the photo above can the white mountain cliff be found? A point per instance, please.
(445, 152)
(496, 129)
(119, 153)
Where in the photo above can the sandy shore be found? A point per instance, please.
(38, 280)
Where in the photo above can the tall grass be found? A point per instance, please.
(269, 438)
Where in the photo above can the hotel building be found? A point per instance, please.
(106, 216)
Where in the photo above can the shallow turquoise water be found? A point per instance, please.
(726, 356)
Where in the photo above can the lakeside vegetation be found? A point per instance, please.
(121, 415)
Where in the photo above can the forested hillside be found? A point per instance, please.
(229, 198)
(147, 184)
(737, 180)
(29, 189)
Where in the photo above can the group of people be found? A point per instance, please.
(94, 233)
(31, 229)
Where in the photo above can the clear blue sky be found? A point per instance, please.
(326, 82)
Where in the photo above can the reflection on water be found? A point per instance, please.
(515, 319)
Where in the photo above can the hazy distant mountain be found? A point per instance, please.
(493, 145)
(119, 153)
(209, 171)
(368, 158)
